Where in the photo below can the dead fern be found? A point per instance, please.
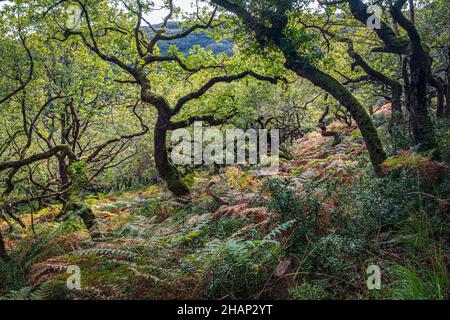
(40, 271)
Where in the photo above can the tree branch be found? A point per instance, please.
(224, 79)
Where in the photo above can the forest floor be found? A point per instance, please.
(231, 238)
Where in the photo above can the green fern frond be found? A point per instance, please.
(106, 252)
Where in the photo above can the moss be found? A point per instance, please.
(190, 179)
(177, 186)
(356, 134)
(402, 161)
(296, 171)
(189, 238)
(152, 192)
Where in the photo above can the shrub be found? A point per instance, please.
(290, 207)
(148, 208)
(308, 291)
(335, 254)
(377, 205)
(239, 268)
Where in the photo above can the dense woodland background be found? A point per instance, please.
(87, 107)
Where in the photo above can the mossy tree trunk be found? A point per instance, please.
(421, 125)
(166, 169)
(75, 204)
(420, 65)
(3, 254)
(447, 91)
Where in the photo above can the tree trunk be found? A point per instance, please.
(326, 82)
(397, 113)
(63, 169)
(166, 169)
(421, 124)
(90, 221)
(447, 92)
(440, 92)
(406, 80)
(75, 203)
(3, 254)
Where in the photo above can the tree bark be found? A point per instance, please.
(447, 92)
(75, 203)
(3, 254)
(440, 92)
(166, 169)
(421, 124)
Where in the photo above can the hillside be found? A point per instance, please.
(195, 39)
(240, 236)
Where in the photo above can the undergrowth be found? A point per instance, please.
(292, 237)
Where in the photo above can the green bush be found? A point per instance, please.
(375, 205)
(308, 291)
(291, 207)
(239, 269)
(148, 209)
(335, 254)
